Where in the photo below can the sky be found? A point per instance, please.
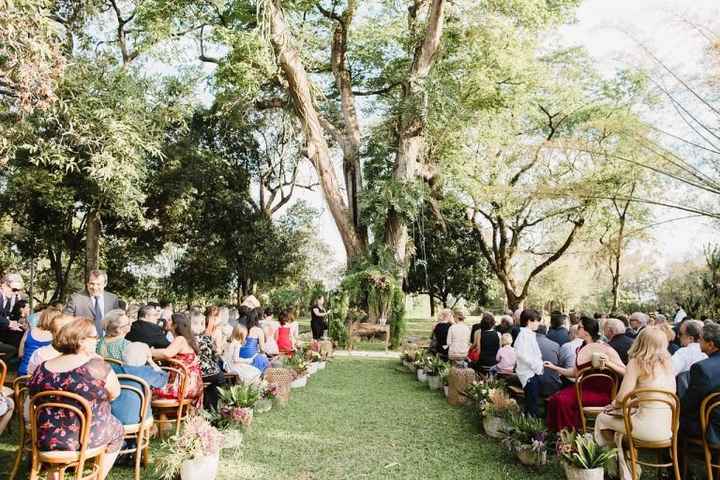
(615, 33)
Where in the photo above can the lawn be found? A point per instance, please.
(361, 419)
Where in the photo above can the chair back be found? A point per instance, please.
(140, 388)
(67, 401)
(639, 396)
(587, 374)
(21, 393)
(3, 373)
(707, 408)
(178, 373)
(112, 361)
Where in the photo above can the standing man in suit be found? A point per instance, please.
(11, 332)
(94, 302)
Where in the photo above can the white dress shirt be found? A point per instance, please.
(529, 358)
(680, 316)
(685, 357)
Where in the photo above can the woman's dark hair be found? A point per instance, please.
(591, 326)
(487, 322)
(505, 326)
(253, 318)
(184, 329)
(19, 305)
(283, 318)
(557, 319)
(268, 312)
(529, 315)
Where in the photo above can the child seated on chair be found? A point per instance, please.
(137, 361)
(505, 357)
(235, 363)
(6, 409)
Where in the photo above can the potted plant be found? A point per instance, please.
(433, 370)
(420, 364)
(581, 456)
(444, 380)
(298, 364)
(268, 392)
(236, 404)
(193, 454)
(526, 437)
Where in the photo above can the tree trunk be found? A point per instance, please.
(92, 243)
(317, 148)
(432, 306)
(411, 142)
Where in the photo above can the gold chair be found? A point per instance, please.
(171, 410)
(58, 462)
(633, 401)
(112, 361)
(589, 373)
(20, 394)
(140, 432)
(708, 405)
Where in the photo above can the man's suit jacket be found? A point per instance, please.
(550, 380)
(704, 379)
(81, 305)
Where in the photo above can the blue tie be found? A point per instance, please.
(98, 318)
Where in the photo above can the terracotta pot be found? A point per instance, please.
(531, 458)
(494, 427)
(434, 382)
(204, 468)
(574, 473)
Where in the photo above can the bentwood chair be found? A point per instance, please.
(21, 396)
(58, 461)
(707, 408)
(597, 375)
(634, 400)
(173, 410)
(112, 361)
(138, 432)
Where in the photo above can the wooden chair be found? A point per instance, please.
(112, 361)
(633, 401)
(139, 432)
(585, 375)
(708, 405)
(21, 394)
(6, 391)
(59, 461)
(171, 410)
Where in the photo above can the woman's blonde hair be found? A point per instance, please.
(47, 317)
(650, 349)
(666, 329)
(239, 333)
(445, 315)
(506, 339)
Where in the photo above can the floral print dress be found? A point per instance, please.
(194, 388)
(58, 429)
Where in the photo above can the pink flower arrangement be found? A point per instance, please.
(241, 415)
(199, 437)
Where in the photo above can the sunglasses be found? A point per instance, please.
(15, 290)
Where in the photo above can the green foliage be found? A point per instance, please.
(339, 304)
(243, 395)
(526, 431)
(582, 451)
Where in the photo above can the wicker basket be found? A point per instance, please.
(282, 377)
(458, 380)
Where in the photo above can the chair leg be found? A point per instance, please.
(675, 460)
(18, 459)
(138, 452)
(633, 463)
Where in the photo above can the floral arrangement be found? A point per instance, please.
(491, 398)
(229, 416)
(526, 433)
(242, 395)
(269, 390)
(582, 451)
(298, 364)
(197, 439)
(435, 366)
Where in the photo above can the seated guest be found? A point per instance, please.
(486, 341)
(568, 351)
(7, 406)
(615, 334)
(284, 338)
(254, 345)
(562, 409)
(137, 361)
(458, 337)
(185, 349)
(505, 357)
(213, 329)
(78, 370)
(669, 333)
(47, 352)
(506, 325)
(515, 331)
(20, 313)
(529, 359)
(690, 352)
(704, 380)
(116, 325)
(636, 322)
(147, 330)
(557, 331)
(649, 367)
(37, 337)
(438, 338)
(212, 374)
(270, 327)
(550, 381)
(235, 364)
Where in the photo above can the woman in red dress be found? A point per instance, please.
(563, 410)
(284, 336)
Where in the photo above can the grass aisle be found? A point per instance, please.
(363, 419)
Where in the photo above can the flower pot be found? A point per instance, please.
(445, 390)
(232, 439)
(494, 426)
(263, 405)
(408, 365)
(421, 375)
(434, 382)
(299, 382)
(529, 457)
(321, 365)
(204, 468)
(312, 368)
(574, 473)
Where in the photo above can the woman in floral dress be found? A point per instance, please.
(78, 370)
